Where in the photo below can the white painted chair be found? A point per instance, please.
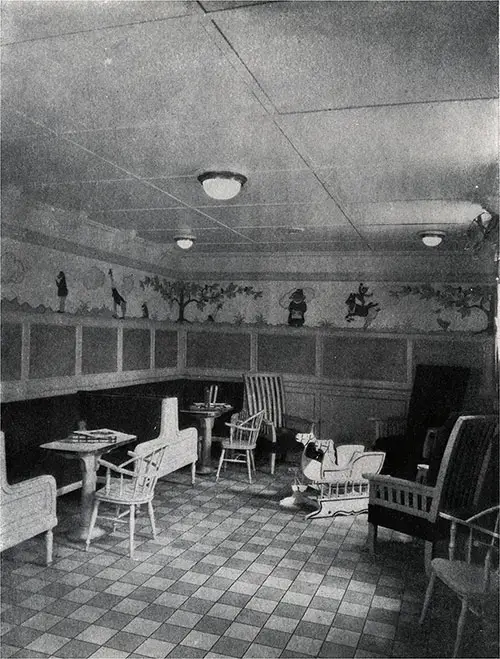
(27, 508)
(129, 485)
(240, 445)
(181, 445)
(266, 391)
(475, 582)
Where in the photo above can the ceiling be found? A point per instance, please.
(357, 124)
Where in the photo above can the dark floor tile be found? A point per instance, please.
(333, 650)
(69, 627)
(213, 625)
(324, 603)
(272, 637)
(235, 599)
(268, 593)
(104, 600)
(171, 633)
(145, 594)
(16, 615)
(20, 636)
(27, 654)
(98, 584)
(289, 610)
(168, 572)
(156, 612)
(197, 605)
(351, 623)
(62, 607)
(251, 617)
(204, 568)
(77, 649)
(383, 615)
(376, 644)
(311, 630)
(183, 588)
(231, 647)
(125, 641)
(186, 651)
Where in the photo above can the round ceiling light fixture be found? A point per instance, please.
(222, 185)
(432, 238)
(185, 241)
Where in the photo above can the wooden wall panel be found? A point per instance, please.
(281, 353)
(136, 349)
(221, 350)
(11, 344)
(362, 358)
(166, 347)
(99, 350)
(52, 351)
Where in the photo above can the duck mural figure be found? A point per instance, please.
(357, 306)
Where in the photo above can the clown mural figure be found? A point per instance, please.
(62, 291)
(295, 302)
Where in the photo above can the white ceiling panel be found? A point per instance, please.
(24, 20)
(321, 55)
(191, 142)
(360, 122)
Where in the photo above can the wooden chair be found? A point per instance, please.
(413, 508)
(265, 391)
(242, 440)
(27, 508)
(181, 446)
(474, 582)
(438, 392)
(133, 486)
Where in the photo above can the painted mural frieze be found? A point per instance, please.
(182, 294)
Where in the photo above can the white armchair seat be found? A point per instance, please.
(27, 508)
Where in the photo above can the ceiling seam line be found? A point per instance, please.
(133, 176)
(387, 105)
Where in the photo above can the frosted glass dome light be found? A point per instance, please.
(432, 238)
(222, 185)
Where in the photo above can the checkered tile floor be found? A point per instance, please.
(231, 574)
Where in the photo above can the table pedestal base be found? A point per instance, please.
(203, 470)
(80, 533)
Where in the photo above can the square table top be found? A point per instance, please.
(90, 441)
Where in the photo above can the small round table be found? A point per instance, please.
(206, 414)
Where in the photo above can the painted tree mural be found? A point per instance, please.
(463, 300)
(185, 293)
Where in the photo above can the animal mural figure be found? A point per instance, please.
(118, 301)
(297, 308)
(358, 307)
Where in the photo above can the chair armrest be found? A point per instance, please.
(401, 483)
(117, 468)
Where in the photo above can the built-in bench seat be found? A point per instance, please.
(134, 409)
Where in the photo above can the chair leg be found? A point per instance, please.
(252, 457)
(220, 463)
(193, 473)
(372, 537)
(152, 518)
(131, 530)
(428, 553)
(117, 516)
(49, 543)
(428, 595)
(460, 626)
(273, 463)
(93, 518)
(249, 466)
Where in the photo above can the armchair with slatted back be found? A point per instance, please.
(265, 391)
(413, 508)
(437, 394)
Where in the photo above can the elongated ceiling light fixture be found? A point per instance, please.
(432, 238)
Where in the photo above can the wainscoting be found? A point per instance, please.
(342, 377)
